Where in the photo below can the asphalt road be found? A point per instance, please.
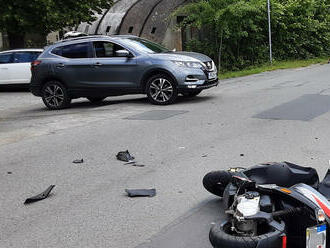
(273, 116)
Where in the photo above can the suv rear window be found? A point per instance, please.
(74, 51)
(25, 57)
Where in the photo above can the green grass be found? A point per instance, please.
(275, 66)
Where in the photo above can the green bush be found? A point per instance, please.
(238, 30)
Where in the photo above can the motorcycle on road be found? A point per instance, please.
(272, 205)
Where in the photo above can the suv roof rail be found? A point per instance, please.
(82, 38)
(96, 36)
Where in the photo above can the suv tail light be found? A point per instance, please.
(34, 64)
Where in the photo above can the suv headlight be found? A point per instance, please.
(188, 64)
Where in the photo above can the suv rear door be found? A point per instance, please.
(74, 65)
(111, 71)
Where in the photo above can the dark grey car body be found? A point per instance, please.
(101, 77)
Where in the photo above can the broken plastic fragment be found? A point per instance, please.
(40, 196)
(141, 192)
(138, 165)
(133, 163)
(125, 156)
(78, 161)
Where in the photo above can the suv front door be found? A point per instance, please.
(111, 71)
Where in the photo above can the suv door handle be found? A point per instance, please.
(60, 65)
(98, 64)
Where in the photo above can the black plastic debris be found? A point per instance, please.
(125, 156)
(9, 173)
(40, 196)
(141, 192)
(242, 155)
(204, 156)
(133, 163)
(78, 161)
(138, 165)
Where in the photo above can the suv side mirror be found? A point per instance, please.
(123, 53)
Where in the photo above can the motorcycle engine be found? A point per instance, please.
(247, 205)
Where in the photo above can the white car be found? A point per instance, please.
(15, 65)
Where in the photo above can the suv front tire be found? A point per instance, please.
(161, 90)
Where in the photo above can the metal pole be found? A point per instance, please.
(270, 33)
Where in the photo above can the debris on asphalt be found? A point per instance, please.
(125, 156)
(204, 156)
(138, 165)
(78, 161)
(141, 192)
(134, 163)
(9, 173)
(40, 196)
(182, 147)
(316, 138)
(242, 155)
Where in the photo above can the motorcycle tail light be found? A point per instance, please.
(320, 215)
(284, 241)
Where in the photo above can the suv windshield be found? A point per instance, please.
(146, 46)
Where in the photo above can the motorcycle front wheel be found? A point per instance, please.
(222, 237)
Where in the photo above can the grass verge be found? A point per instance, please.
(275, 66)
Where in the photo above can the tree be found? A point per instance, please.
(238, 30)
(18, 17)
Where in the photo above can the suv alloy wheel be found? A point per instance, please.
(161, 90)
(55, 95)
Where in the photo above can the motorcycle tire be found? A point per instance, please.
(220, 238)
(216, 181)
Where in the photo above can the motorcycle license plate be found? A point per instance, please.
(212, 75)
(316, 236)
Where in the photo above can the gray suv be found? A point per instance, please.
(96, 67)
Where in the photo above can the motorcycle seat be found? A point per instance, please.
(283, 174)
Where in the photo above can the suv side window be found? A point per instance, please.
(25, 57)
(57, 51)
(74, 51)
(104, 49)
(6, 58)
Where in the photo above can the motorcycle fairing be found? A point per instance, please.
(324, 186)
(314, 196)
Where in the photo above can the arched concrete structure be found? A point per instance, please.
(113, 18)
(136, 17)
(149, 19)
(159, 20)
